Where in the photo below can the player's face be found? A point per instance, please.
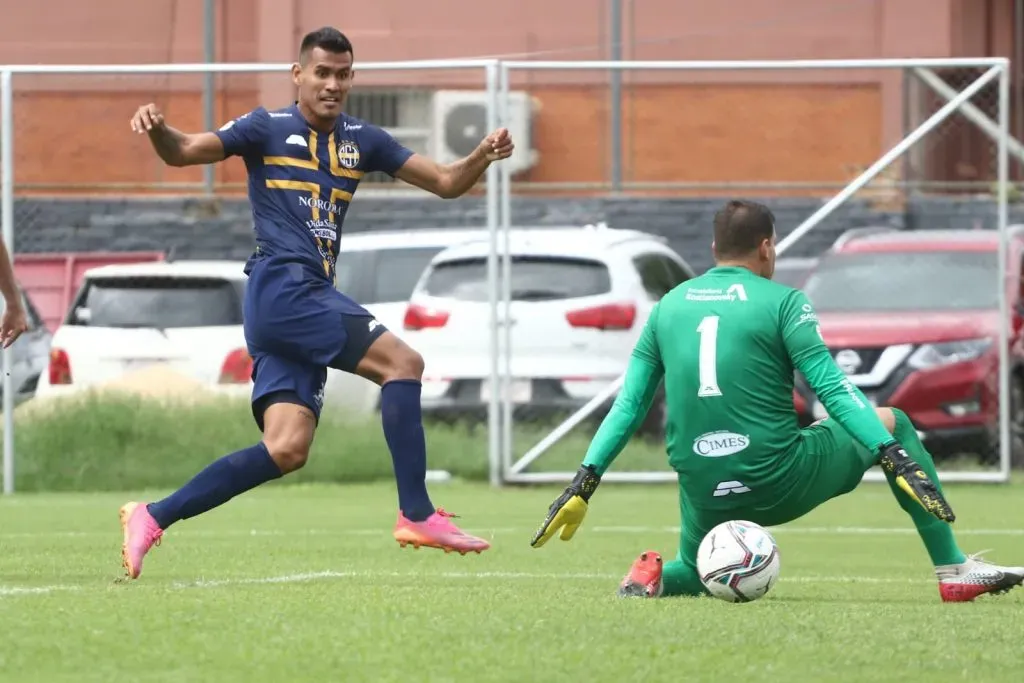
(324, 82)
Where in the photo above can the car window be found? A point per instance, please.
(905, 281)
(676, 273)
(157, 301)
(653, 275)
(382, 275)
(534, 278)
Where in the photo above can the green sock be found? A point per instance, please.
(680, 578)
(937, 535)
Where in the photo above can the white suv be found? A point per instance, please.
(579, 299)
(379, 270)
(186, 315)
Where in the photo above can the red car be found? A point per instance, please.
(912, 316)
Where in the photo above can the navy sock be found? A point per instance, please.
(221, 481)
(403, 430)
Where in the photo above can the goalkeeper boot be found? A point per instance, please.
(644, 577)
(437, 531)
(141, 532)
(965, 581)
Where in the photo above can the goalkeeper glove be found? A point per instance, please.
(909, 476)
(568, 510)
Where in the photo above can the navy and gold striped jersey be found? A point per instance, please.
(301, 181)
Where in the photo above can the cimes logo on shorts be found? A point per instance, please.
(348, 154)
(719, 444)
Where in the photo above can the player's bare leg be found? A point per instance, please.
(287, 436)
(398, 369)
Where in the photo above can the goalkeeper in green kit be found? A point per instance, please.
(727, 344)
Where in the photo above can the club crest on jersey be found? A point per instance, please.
(348, 154)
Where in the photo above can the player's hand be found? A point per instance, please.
(568, 510)
(147, 117)
(12, 324)
(914, 481)
(497, 145)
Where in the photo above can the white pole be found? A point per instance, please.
(886, 159)
(506, 276)
(759, 64)
(493, 427)
(7, 208)
(1002, 178)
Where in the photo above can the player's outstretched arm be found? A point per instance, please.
(643, 375)
(173, 146)
(449, 181)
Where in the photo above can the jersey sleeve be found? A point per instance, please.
(244, 135)
(643, 375)
(843, 401)
(385, 154)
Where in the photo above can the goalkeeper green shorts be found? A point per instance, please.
(827, 463)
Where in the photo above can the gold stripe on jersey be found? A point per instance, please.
(314, 210)
(313, 163)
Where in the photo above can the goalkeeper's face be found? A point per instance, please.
(323, 82)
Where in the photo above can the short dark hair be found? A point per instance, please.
(326, 38)
(740, 227)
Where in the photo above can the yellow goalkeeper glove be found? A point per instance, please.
(914, 481)
(569, 509)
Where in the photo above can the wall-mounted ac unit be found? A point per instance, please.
(460, 123)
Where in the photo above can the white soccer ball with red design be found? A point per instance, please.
(738, 561)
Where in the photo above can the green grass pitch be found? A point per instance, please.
(304, 583)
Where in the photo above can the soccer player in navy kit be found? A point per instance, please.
(304, 163)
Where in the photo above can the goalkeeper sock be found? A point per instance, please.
(401, 418)
(937, 535)
(221, 481)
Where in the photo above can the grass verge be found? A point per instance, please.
(115, 441)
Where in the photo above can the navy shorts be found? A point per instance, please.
(296, 326)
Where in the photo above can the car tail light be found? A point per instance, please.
(607, 317)
(60, 367)
(419, 317)
(237, 368)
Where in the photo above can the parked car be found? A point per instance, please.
(30, 352)
(579, 299)
(186, 315)
(379, 270)
(912, 317)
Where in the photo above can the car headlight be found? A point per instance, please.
(946, 353)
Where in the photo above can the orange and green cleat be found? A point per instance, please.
(141, 532)
(437, 531)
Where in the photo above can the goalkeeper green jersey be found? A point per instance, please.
(727, 344)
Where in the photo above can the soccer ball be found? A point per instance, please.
(738, 561)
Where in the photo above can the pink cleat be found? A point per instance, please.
(141, 532)
(437, 531)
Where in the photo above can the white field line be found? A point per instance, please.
(385, 531)
(312, 577)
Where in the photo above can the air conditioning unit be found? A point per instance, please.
(460, 123)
